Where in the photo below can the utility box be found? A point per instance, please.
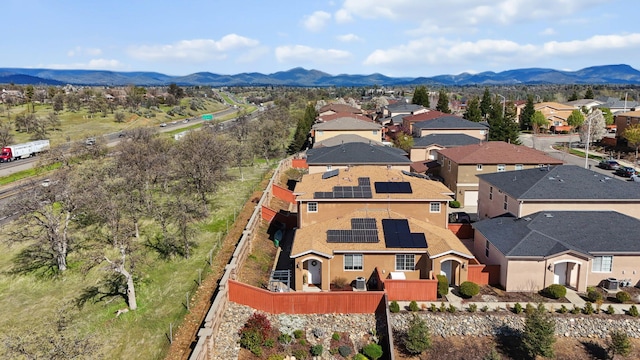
(611, 284)
(361, 283)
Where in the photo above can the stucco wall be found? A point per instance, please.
(314, 169)
(478, 134)
(321, 135)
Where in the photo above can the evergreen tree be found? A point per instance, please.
(302, 129)
(421, 97)
(473, 112)
(574, 96)
(527, 113)
(443, 102)
(485, 103)
(538, 336)
(418, 337)
(589, 93)
(503, 128)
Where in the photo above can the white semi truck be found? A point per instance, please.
(19, 151)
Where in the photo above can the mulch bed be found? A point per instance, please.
(493, 294)
(609, 297)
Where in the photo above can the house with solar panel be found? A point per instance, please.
(353, 221)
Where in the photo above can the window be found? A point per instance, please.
(405, 262)
(320, 132)
(312, 207)
(519, 166)
(486, 248)
(602, 264)
(353, 261)
(505, 202)
(434, 207)
(375, 132)
(490, 192)
(479, 167)
(449, 165)
(328, 167)
(502, 167)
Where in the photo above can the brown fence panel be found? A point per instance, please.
(299, 164)
(267, 213)
(284, 194)
(484, 274)
(407, 290)
(462, 231)
(305, 303)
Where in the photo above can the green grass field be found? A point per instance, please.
(27, 301)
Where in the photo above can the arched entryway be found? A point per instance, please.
(314, 272)
(566, 273)
(451, 269)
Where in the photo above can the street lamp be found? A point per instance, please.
(504, 104)
(586, 147)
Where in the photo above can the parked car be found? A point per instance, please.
(625, 171)
(635, 178)
(459, 217)
(163, 125)
(609, 164)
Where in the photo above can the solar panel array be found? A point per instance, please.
(397, 235)
(362, 191)
(363, 230)
(389, 187)
(330, 174)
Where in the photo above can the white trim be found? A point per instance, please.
(452, 252)
(309, 205)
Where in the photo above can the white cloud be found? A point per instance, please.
(253, 55)
(94, 64)
(196, 49)
(317, 21)
(80, 51)
(593, 44)
(547, 32)
(348, 38)
(305, 54)
(343, 16)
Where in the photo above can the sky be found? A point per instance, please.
(399, 38)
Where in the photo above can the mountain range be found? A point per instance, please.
(604, 74)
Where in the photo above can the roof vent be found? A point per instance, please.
(527, 219)
(548, 215)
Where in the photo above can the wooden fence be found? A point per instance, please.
(483, 274)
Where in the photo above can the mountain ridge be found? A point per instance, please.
(601, 74)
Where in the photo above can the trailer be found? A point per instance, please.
(20, 151)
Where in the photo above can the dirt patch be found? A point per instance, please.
(478, 348)
(257, 267)
(493, 294)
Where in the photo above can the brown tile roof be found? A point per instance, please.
(429, 115)
(497, 152)
(313, 238)
(339, 115)
(340, 108)
(423, 190)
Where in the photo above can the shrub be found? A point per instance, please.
(633, 311)
(372, 351)
(433, 307)
(394, 307)
(300, 354)
(417, 338)
(316, 350)
(529, 308)
(588, 308)
(303, 342)
(344, 351)
(258, 322)
(611, 310)
(469, 289)
(484, 308)
(359, 357)
(269, 343)
(555, 291)
(492, 355)
(443, 285)
(284, 339)
(472, 308)
(517, 308)
(454, 204)
(413, 306)
(298, 334)
(340, 282)
(252, 341)
(618, 343)
(336, 336)
(443, 307)
(451, 308)
(538, 334)
(593, 295)
(563, 310)
(623, 297)
(275, 357)
(576, 310)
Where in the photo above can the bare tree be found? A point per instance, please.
(6, 134)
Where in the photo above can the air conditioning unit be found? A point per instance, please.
(361, 283)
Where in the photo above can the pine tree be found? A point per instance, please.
(589, 93)
(485, 104)
(443, 102)
(473, 112)
(418, 337)
(538, 335)
(421, 97)
(527, 114)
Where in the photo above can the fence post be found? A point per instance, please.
(170, 333)
(199, 277)
(187, 298)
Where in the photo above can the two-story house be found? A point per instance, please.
(459, 166)
(625, 119)
(451, 125)
(346, 126)
(556, 113)
(352, 222)
(353, 154)
(563, 187)
(331, 109)
(409, 120)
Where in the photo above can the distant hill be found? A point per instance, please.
(605, 74)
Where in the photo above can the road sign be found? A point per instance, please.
(207, 117)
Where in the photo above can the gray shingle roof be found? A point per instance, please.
(449, 122)
(549, 233)
(445, 140)
(357, 153)
(343, 139)
(404, 107)
(562, 182)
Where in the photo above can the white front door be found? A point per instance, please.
(315, 275)
(471, 198)
(560, 273)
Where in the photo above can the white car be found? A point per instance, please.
(634, 178)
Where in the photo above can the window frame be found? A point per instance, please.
(311, 204)
(486, 249)
(501, 166)
(435, 211)
(490, 192)
(406, 259)
(601, 259)
(353, 266)
(478, 167)
(506, 203)
(519, 166)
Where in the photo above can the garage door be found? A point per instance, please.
(470, 198)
